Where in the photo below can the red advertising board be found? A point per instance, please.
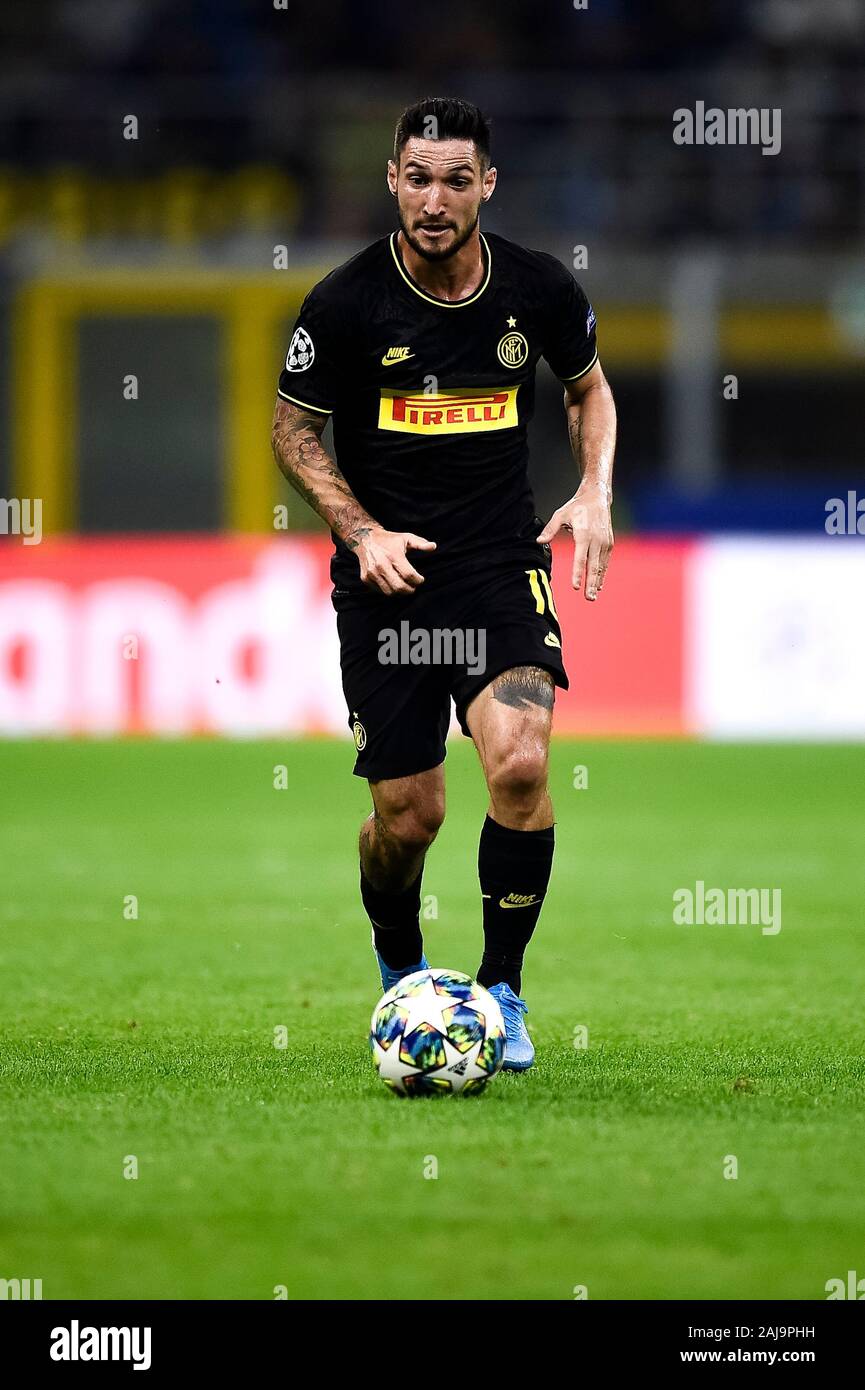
(236, 636)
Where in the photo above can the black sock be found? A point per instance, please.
(395, 921)
(514, 868)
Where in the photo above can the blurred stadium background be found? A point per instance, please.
(147, 287)
(174, 176)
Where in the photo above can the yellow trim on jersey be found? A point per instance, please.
(540, 602)
(443, 303)
(583, 372)
(536, 590)
(542, 575)
(319, 410)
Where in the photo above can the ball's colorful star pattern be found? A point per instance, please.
(437, 1032)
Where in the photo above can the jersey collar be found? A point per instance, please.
(431, 299)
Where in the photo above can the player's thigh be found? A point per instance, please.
(515, 616)
(510, 721)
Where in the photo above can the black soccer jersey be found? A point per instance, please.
(431, 400)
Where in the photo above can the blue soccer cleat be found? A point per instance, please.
(519, 1048)
(391, 977)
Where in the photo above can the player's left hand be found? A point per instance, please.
(586, 516)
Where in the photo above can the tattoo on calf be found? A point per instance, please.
(525, 685)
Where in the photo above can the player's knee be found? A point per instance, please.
(520, 773)
(416, 824)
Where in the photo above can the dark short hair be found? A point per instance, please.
(455, 120)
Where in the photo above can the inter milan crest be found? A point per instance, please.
(513, 350)
(301, 353)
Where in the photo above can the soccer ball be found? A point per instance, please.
(437, 1032)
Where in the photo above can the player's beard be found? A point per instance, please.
(447, 252)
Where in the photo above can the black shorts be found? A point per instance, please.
(405, 657)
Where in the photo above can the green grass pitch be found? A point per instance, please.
(261, 1167)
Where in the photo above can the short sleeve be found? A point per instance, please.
(309, 375)
(571, 346)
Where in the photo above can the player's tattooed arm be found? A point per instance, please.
(304, 461)
(591, 415)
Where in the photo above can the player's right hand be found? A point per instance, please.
(383, 560)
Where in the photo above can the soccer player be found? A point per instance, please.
(423, 349)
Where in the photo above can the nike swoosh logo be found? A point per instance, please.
(533, 903)
(392, 361)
